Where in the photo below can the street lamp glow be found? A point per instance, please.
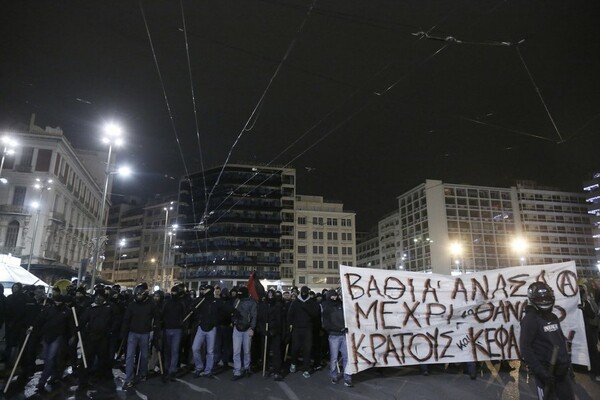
(519, 245)
(456, 248)
(124, 170)
(113, 130)
(35, 204)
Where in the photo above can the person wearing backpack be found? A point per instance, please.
(244, 323)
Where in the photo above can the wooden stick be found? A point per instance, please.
(191, 312)
(265, 350)
(12, 374)
(79, 337)
(287, 346)
(162, 372)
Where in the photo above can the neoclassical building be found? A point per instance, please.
(51, 186)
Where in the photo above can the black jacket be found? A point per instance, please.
(541, 333)
(173, 313)
(140, 317)
(54, 322)
(332, 317)
(98, 320)
(304, 313)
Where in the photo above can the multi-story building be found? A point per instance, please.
(235, 220)
(449, 228)
(325, 238)
(69, 195)
(389, 241)
(142, 243)
(367, 249)
(592, 190)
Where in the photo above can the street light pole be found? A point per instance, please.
(113, 134)
(121, 244)
(37, 204)
(164, 252)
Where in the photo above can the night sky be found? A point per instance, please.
(373, 97)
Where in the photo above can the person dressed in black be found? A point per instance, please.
(15, 320)
(172, 315)
(141, 318)
(57, 326)
(543, 346)
(276, 331)
(303, 315)
(97, 323)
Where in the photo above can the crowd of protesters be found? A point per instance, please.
(171, 334)
(84, 336)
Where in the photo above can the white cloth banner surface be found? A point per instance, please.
(397, 318)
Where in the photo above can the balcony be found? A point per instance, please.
(12, 209)
(22, 168)
(58, 217)
(218, 274)
(15, 251)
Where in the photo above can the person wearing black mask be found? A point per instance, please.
(57, 326)
(172, 316)
(335, 326)
(543, 346)
(303, 316)
(140, 319)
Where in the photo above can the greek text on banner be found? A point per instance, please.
(397, 318)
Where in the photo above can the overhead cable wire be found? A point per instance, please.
(537, 89)
(195, 107)
(258, 104)
(475, 121)
(166, 98)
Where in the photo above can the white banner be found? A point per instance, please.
(397, 318)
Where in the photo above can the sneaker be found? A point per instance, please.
(277, 377)
(597, 378)
(143, 378)
(292, 368)
(248, 373)
(127, 385)
(348, 384)
(208, 375)
(236, 377)
(334, 380)
(172, 377)
(198, 373)
(306, 374)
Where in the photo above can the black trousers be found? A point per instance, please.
(302, 342)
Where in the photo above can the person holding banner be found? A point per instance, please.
(332, 316)
(543, 345)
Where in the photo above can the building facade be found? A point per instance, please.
(236, 220)
(325, 238)
(450, 229)
(68, 196)
(592, 190)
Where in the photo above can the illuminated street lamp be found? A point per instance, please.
(112, 136)
(122, 243)
(164, 252)
(8, 145)
(456, 250)
(41, 186)
(520, 246)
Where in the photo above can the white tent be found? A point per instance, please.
(11, 272)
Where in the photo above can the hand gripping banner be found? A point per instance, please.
(397, 318)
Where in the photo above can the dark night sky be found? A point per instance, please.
(466, 114)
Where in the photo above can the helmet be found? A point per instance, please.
(140, 293)
(177, 291)
(541, 296)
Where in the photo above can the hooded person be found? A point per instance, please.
(303, 316)
(207, 316)
(244, 324)
(332, 317)
(172, 316)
